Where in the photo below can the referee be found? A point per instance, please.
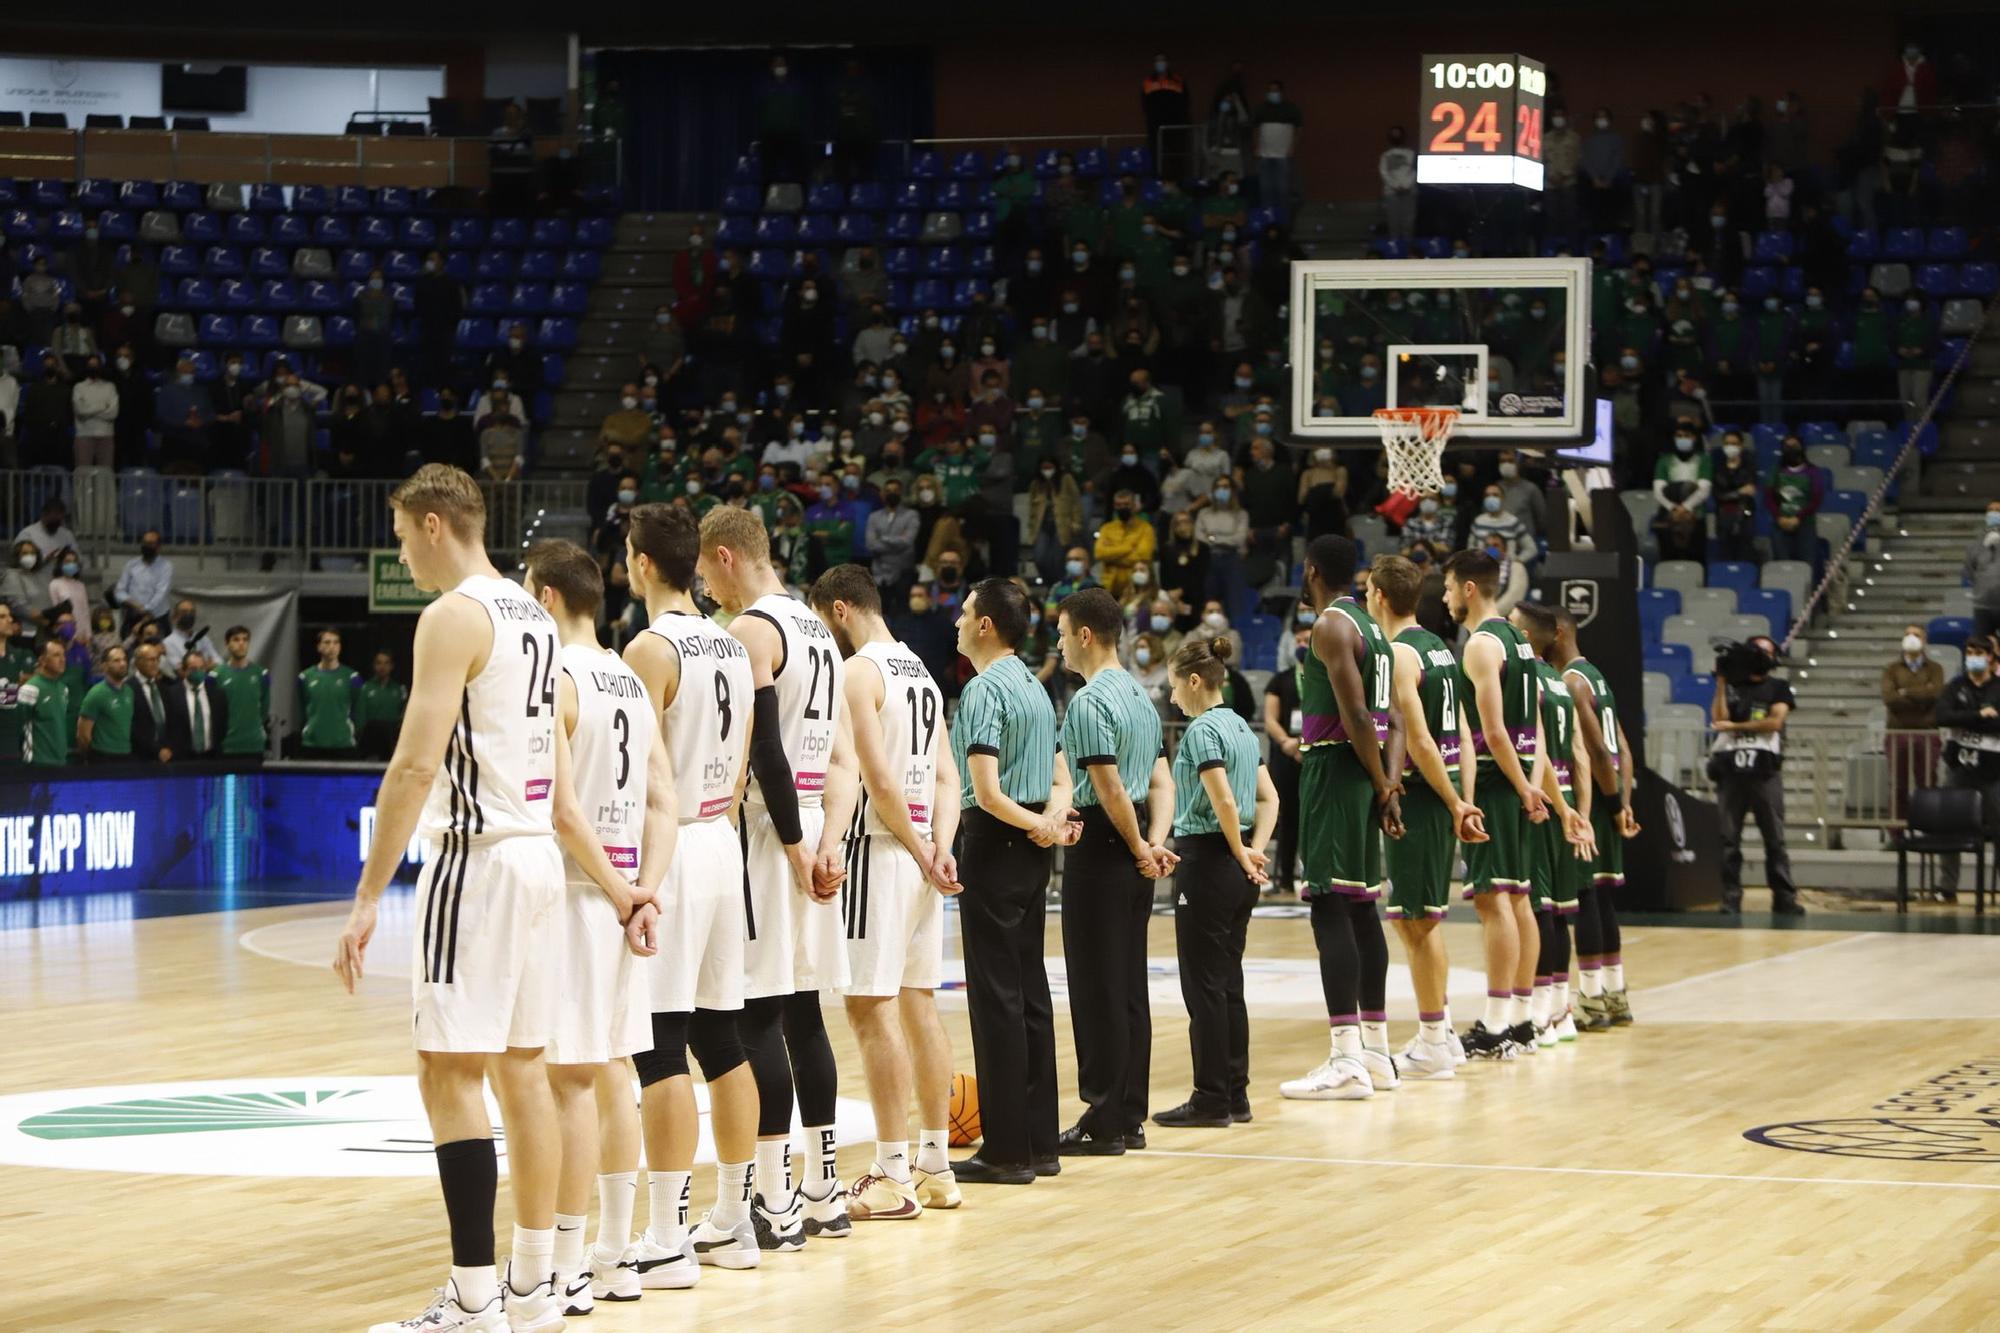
(1015, 797)
(1112, 731)
(1220, 787)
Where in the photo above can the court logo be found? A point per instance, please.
(287, 1127)
(1950, 1117)
(1579, 598)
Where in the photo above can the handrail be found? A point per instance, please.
(1837, 560)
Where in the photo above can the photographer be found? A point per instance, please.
(1968, 715)
(1746, 763)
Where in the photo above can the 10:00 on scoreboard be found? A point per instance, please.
(1481, 121)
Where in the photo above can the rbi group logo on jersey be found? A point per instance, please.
(1579, 598)
(286, 1127)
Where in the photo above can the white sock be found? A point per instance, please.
(1614, 976)
(1447, 1018)
(1538, 1005)
(477, 1287)
(1559, 999)
(534, 1258)
(1375, 1035)
(616, 1195)
(733, 1183)
(1494, 1019)
(931, 1156)
(893, 1160)
(774, 1172)
(569, 1243)
(1592, 981)
(667, 1193)
(1517, 1010)
(820, 1174)
(1347, 1040)
(1434, 1029)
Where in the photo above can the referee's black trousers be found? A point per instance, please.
(1001, 917)
(1106, 905)
(1212, 902)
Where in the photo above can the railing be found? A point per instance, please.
(1906, 458)
(345, 518)
(1850, 779)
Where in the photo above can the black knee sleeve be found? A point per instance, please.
(712, 1033)
(1371, 951)
(1589, 923)
(762, 1030)
(668, 1058)
(1339, 961)
(1555, 945)
(815, 1077)
(1546, 926)
(1607, 913)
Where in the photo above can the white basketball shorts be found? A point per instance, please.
(602, 1010)
(700, 962)
(893, 919)
(486, 968)
(794, 943)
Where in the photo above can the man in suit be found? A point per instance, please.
(152, 731)
(197, 711)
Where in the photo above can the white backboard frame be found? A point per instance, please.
(1571, 276)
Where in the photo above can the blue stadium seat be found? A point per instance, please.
(181, 196)
(816, 229)
(1738, 574)
(244, 229)
(338, 330)
(1772, 247)
(205, 367)
(734, 232)
(1822, 432)
(1759, 280)
(195, 294)
(116, 225)
(1937, 280)
(1655, 605)
(475, 334)
(776, 229)
(331, 231)
(1774, 604)
(1090, 163)
(1850, 503)
(826, 197)
(465, 233)
(1693, 689)
(177, 261)
(980, 260)
(965, 289)
(289, 229)
(946, 261)
(557, 333)
(1904, 243)
(594, 233)
(394, 199)
(538, 265)
(926, 166)
(554, 371)
(95, 194)
(48, 194)
(1862, 247)
(746, 171)
(217, 330)
(904, 228)
(528, 298)
(351, 199)
(354, 265)
(235, 294)
(142, 501)
(902, 262)
(771, 265)
(378, 233)
(953, 195)
(137, 195)
(488, 298)
(321, 296)
(549, 232)
(223, 261)
(266, 199)
(855, 229)
(201, 228)
(258, 331)
(1260, 641)
(278, 294)
(581, 265)
(494, 265)
(511, 232)
(568, 298)
(420, 233)
(1136, 162)
(976, 226)
(867, 197)
(313, 199)
(1953, 630)
(66, 225)
(20, 224)
(1672, 659)
(1945, 243)
(910, 194)
(970, 165)
(931, 293)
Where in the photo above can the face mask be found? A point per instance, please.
(1075, 568)
(1123, 512)
(1602, 123)
(1558, 121)
(1975, 665)
(1216, 620)
(29, 560)
(798, 429)
(149, 551)
(1684, 443)
(1628, 363)
(1993, 518)
(693, 487)
(1491, 504)
(500, 386)
(900, 427)
(947, 352)
(1180, 270)
(1450, 490)
(1274, 97)
(185, 377)
(1127, 273)
(1263, 428)
(1369, 372)
(1912, 645)
(1770, 303)
(627, 496)
(1230, 188)
(1222, 494)
(1428, 506)
(1035, 402)
(1732, 452)
(1079, 257)
(948, 574)
(1079, 430)
(628, 402)
(1034, 266)
(926, 496)
(1510, 470)
(1129, 459)
(1160, 624)
(1142, 656)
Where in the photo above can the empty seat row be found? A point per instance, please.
(283, 294)
(975, 164)
(307, 331)
(159, 226)
(898, 229)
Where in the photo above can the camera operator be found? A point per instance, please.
(1968, 714)
(1746, 763)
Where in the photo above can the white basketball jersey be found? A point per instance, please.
(808, 678)
(499, 772)
(608, 753)
(711, 708)
(912, 719)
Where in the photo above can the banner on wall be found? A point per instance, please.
(80, 87)
(273, 621)
(279, 99)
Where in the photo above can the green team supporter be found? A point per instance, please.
(248, 690)
(381, 701)
(1337, 838)
(1221, 739)
(108, 708)
(959, 474)
(17, 663)
(44, 705)
(326, 702)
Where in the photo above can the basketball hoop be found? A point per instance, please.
(1414, 439)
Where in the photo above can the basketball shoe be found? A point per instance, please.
(574, 1288)
(1521, 1037)
(1452, 1040)
(1565, 1027)
(938, 1189)
(1481, 1044)
(1341, 1078)
(826, 1217)
(735, 1247)
(1545, 1035)
(446, 1315)
(1619, 1007)
(1381, 1069)
(1427, 1060)
(617, 1279)
(876, 1198)
(536, 1310)
(778, 1232)
(1595, 1013)
(659, 1268)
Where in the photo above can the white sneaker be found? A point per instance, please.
(574, 1289)
(826, 1217)
(446, 1315)
(1381, 1069)
(615, 1279)
(1545, 1036)
(536, 1310)
(1341, 1079)
(659, 1268)
(1458, 1055)
(1565, 1027)
(1427, 1060)
(735, 1247)
(938, 1189)
(779, 1230)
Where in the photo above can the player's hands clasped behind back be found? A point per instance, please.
(805, 874)
(1628, 823)
(1389, 808)
(941, 869)
(1534, 804)
(1468, 822)
(642, 935)
(1578, 833)
(1255, 865)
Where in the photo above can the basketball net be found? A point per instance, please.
(1414, 440)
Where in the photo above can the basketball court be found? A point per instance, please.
(1794, 1133)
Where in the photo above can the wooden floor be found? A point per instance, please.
(1607, 1184)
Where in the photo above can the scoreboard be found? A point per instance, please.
(1480, 121)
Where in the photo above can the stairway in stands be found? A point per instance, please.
(637, 277)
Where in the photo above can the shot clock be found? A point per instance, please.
(1480, 121)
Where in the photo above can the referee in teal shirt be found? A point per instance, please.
(1015, 802)
(1126, 796)
(1225, 810)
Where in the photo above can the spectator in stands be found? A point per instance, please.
(74, 341)
(24, 584)
(1911, 685)
(1970, 710)
(515, 366)
(1915, 334)
(324, 711)
(149, 705)
(1124, 543)
(104, 723)
(374, 329)
(829, 526)
(66, 586)
(1793, 496)
(891, 538)
(189, 635)
(1055, 516)
(51, 532)
(1733, 474)
(1268, 491)
(197, 710)
(1603, 162)
(1222, 527)
(230, 405)
(1682, 482)
(1771, 359)
(1398, 169)
(1562, 160)
(1275, 127)
(502, 438)
(1982, 574)
(145, 587)
(378, 710)
(1148, 660)
(286, 425)
(1523, 496)
(42, 705)
(1427, 526)
(781, 125)
(41, 299)
(1214, 624)
(625, 426)
(45, 418)
(806, 343)
(1903, 173)
(992, 411)
(1502, 531)
(1130, 473)
(439, 301)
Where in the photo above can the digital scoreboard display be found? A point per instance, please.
(1480, 121)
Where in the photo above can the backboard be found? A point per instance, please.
(1504, 341)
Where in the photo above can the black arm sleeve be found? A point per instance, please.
(773, 770)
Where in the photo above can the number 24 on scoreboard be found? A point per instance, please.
(1481, 133)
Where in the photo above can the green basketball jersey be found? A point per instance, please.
(1519, 685)
(248, 690)
(1607, 706)
(1440, 688)
(1320, 710)
(1558, 722)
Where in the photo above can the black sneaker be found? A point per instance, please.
(1135, 1139)
(1075, 1142)
(976, 1170)
(1796, 908)
(1483, 1045)
(1189, 1116)
(1522, 1038)
(1240, 1113)
(1048, 1166)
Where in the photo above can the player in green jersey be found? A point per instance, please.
(1436, 743)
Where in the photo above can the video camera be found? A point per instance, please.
(1737, 662)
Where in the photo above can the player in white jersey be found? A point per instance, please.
(625, 787)
(794, 946)
(700, 677)
(899, 872)
(481, 757)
